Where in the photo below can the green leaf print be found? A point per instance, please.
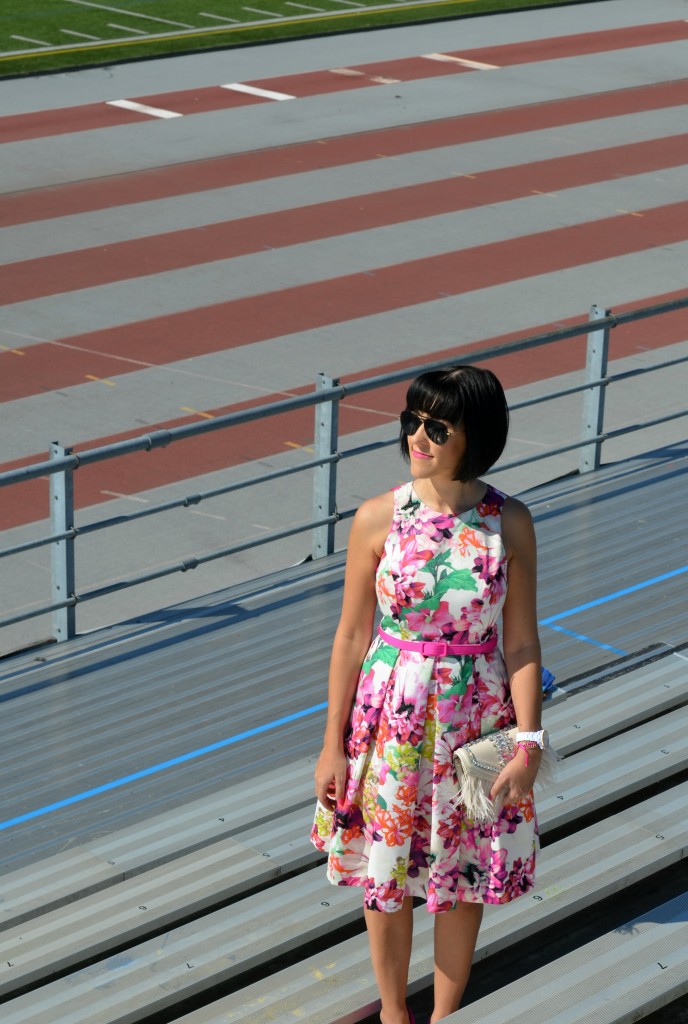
(385, 653)
(446, 580)
(457, 579)
(402, 758)
(465, 673)
(431, 730)
(381, 802)
(400, 871)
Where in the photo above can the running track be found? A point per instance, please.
(214, 266)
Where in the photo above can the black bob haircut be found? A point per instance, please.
(467, 396)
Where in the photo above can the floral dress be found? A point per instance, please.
(399, 829)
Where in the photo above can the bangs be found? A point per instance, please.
(429, 394)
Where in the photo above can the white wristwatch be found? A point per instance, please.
(541, 738)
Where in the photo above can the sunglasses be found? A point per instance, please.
(436, 431)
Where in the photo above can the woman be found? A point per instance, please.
(436, 555)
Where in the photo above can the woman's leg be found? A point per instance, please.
(390, 951)
(456, 933)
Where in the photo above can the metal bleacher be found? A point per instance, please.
(191, 893)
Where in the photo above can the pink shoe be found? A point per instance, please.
(412, 1019)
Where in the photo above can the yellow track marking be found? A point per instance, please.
(195, 412)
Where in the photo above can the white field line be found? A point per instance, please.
(257, 10)
(349, 72)
(217, 17)
(253, 90)
(26, 39)
(447, 59)
(128, 28)
(141, 108)
(131, 14)
(192, 30)
(79, 35)
(304, 7)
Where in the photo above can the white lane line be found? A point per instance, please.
(141, 108)
(128, 28)
(130, 497)
(448, 59)
(257, 10)
(351, 72)
(80, 35)
(304, 7)
(217, 17)
(17, 334)
(253, 90)
(130, 14)
(384, 81)
(207, 515)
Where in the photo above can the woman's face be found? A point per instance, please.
(429, 459)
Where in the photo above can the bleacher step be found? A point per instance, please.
(191, 885)
(617, 979)
(577, 872)
(337, 986)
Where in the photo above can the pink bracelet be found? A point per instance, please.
(525, 750)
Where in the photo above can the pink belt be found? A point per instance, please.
(438, 648)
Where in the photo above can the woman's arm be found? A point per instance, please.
(352, 639)
(521, 646)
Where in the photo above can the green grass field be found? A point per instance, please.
(49, 35)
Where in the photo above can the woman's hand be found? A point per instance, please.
(517, 777)
(330, 777)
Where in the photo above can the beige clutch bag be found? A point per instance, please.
(479, 762)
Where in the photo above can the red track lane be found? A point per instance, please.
(558, 47)
(407, 69)
(85, 268)
(261, 165)
(220, 327)
(66, 120)
(98, 115)
(215, 451)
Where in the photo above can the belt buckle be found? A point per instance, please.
(435, 648)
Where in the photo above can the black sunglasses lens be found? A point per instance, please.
(410, 423)
(437, 432)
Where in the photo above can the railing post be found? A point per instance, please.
(325, 477)
(62, 551)
(593, 399)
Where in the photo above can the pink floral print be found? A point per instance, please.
(399, 830)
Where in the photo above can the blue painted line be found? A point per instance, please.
(614, 596)
(183, 758)
(116, 783)
(588, 640)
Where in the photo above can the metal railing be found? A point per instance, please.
(64, 462)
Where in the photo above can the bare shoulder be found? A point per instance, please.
(374, 519)
(377, 512)
(517, 526)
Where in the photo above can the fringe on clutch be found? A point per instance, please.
(479, 762)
